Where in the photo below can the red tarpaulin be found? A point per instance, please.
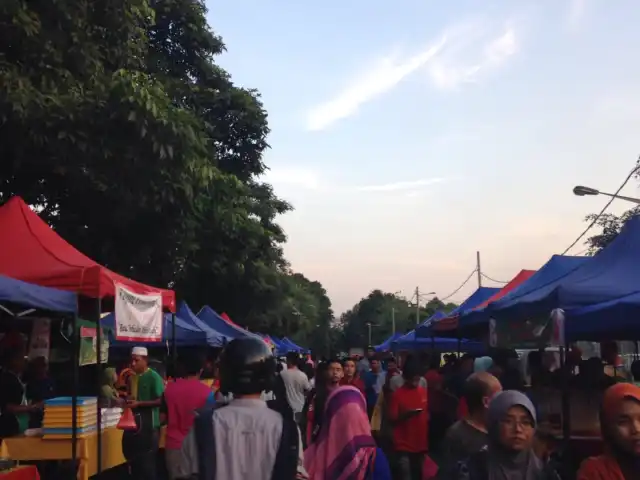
(451, 323)
(32, 252)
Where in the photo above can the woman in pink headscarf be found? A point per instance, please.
(345, 448)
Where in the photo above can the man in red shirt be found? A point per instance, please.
(409, 416)
(351, 375)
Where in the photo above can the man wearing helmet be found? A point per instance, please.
(246, 439)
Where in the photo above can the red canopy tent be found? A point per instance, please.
(32, 252)
(451, 323)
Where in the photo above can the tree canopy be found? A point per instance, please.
(609, 224)
(118, 126)
(381, 309)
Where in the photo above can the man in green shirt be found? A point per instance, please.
(141, 446)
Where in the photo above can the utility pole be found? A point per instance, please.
(369, 325)
(478, 269)
(393, 320)
(417, 305)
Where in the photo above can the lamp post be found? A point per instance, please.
(583, 191)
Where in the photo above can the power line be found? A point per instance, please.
(492, 279)
(604, 209)
(460, 287)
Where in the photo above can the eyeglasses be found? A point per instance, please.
(513, 423)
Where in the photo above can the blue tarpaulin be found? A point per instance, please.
(214, 339)
(35, 296)
(386, 345)
(186, 335)
(610, 275)
(296, 348)
(214, 321)
(513, 306)
(441, 344)
(612, 320)
(477, 298)
(411, 342)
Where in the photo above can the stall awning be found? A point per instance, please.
(31, 251)
(34, 296)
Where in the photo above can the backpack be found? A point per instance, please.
(287, 458)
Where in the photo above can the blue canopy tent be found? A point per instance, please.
(478, 297)
(186, 335)
(386, 345)
(293, 346)
(411, 341)
(214, 338)
(215, 322)
(441, 344)
(26, 294)
(610, 275)
(282, 348)
(612, 320)
(552, 272)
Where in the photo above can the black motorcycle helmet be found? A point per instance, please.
(247, 367)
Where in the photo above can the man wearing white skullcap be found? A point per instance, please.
(147, 387)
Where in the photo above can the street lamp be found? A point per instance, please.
(582, 191)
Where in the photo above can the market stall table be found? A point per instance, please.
(22, 472)
(29, 449)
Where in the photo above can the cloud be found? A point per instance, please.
(382, 77)
(309, 179)
(465, 62)
(577, 10)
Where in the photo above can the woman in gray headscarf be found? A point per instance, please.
(511, 423)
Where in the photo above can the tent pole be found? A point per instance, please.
(174, 348)
(75, 345)
(98, 312)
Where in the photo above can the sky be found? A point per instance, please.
(408, 135)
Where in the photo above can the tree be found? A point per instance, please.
(117, 125)
(609, 223)
(381, 309)
(610, 226)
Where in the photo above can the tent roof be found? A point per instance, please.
(514, 283)
(31, 251)
(558, 267)
(214, 338)
(386, 345)
(608, 276)
(476, 316)
(214, 321)
(612, 320)
(288, 342)
(186, 334)
(450, 321)
(35, 296)
(410, 341)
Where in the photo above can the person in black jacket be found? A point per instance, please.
(246, 439)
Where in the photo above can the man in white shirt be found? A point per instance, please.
(296, 384)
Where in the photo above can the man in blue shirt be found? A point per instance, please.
(373, 383)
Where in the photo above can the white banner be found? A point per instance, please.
(557, 330)
(40, 341)
(139, 318)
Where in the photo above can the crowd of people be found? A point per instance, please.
(365, 418)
